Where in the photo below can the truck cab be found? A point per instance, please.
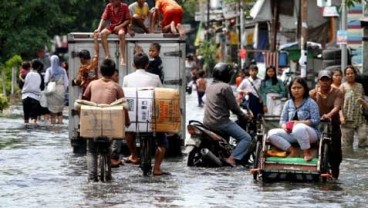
(172, 54)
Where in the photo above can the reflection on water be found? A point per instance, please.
(39, 169)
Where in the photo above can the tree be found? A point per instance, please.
(28, 25)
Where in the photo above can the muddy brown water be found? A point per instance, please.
(38, 169)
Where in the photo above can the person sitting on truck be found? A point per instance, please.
(88, 70)
(119, 16)
(155, 64)
(142, 78)
(172, 14)
(299, 122)
(104, 91)
(330, 101)
(141, 17)
(219, 102)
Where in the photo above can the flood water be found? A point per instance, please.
(38, 169)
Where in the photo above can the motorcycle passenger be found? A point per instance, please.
(220, 99)
(330, 101)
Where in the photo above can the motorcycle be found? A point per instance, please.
(207, 148)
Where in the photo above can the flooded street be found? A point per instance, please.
(38, 169)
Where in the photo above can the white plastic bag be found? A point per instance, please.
(43, 99)
(51, 87)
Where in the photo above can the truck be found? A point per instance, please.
(172, 54)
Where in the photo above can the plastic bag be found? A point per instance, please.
(51, 87)
(43, 99)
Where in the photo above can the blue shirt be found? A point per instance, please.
(307, 111)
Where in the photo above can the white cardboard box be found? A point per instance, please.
(140, 101)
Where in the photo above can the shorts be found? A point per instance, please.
(110, 28)
(161, 140)
(175, 15)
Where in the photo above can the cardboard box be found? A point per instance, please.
(140, 101)
(153, 110)
(167, 116)
(106, 121)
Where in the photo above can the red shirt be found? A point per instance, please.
(116, 18)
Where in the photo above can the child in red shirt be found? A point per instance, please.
(119, 16)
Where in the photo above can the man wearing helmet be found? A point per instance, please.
(219, 100)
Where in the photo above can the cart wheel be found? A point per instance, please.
(324, 160)
(257, 159)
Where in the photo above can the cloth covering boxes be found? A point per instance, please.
(106, 121)
(153, 110)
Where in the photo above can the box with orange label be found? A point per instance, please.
(167, 116)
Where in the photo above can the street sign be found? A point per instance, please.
(342, 37)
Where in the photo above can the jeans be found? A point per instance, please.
(243, 138)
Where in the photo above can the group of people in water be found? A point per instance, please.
(340, 103)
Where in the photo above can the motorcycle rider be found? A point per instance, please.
(219, 100)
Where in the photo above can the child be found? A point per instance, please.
(239, 78)
(201, 87)
(26, 67)
(115, 77)
(117, 13)
(88, 70)
(172, 14)
(103, 91)
(155, 64)
(250, 88)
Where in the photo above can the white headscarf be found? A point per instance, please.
(56, 69)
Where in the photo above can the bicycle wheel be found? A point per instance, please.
(324, 160)
(104, 162)
(146, 154)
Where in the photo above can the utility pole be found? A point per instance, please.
(343, 28)
(303, 38)
(208, 20)
(241, 11)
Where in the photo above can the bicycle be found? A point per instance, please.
(103, 151)
(146, 147)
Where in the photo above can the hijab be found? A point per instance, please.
(56, 69)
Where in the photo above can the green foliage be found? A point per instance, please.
(14, 61)
(4, 102)
(28, 25)
(207, 50)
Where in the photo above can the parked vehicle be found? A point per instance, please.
(173, 61)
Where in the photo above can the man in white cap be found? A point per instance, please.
(330, 101)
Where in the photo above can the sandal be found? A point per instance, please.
(128, 160)
(161, 174)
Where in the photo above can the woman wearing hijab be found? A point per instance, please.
(55, 100)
